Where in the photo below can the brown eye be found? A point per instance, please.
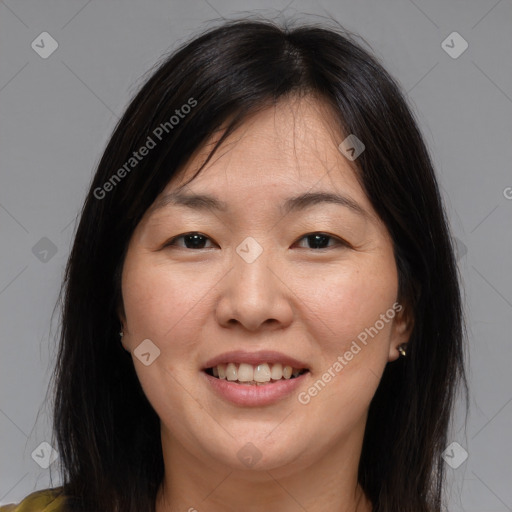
(321, 240)
(190, 241)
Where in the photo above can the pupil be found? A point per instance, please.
(197, 241)
(314, 239)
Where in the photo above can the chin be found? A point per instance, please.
(256, 455)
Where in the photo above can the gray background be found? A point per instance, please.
(57, 114)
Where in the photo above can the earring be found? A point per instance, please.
(121, 334)
(402, 349)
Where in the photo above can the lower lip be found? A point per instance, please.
(254, 396)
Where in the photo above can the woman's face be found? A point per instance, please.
(256, 291)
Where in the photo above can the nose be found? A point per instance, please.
(255, 296)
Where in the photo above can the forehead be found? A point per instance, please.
(284, 150)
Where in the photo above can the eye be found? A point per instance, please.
(196, 240)
(321, 240)
(192, 240)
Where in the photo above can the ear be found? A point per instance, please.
(122, 321)
(122, 328)
(403, 324)
(121, 315)
(119, 298)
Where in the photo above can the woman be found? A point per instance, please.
(265, 236)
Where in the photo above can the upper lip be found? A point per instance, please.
(254, 358)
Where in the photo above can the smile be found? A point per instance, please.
(254, 375)
(255, 379)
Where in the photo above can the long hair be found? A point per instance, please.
(107, 433)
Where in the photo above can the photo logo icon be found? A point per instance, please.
(44, 455)
(460, 249)
(455, 455)
(249, 455)
(147, 352)
(44, 45)
(351, 147)
(44, 250)
(249, 250)
(454, 45)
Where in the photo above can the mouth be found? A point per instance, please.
(255, 379)
(261, 374)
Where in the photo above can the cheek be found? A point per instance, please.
(347, 300)
(163, 305)
(345, 307)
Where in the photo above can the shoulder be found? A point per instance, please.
(46, 500)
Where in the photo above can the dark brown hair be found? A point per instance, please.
(107, 433)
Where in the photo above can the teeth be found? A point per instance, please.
(245, 373)
(231, 372)
(262, 373)
(250, 375)
(277, 371)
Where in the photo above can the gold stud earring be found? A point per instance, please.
(402, 349)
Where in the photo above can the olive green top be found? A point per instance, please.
(46, 500)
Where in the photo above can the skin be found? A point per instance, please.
(308, 302)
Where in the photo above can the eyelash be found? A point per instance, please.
(339, 241)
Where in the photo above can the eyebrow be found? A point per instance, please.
(204, 202)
